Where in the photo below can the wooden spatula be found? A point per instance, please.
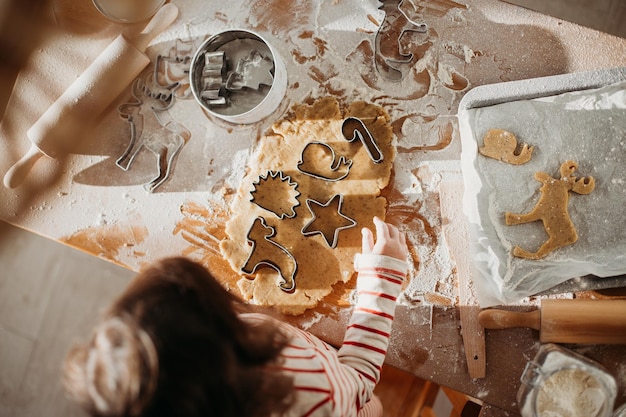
(567, 321)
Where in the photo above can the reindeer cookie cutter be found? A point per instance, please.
(336, 170)
(151, 130)
(329, 232)
(353, 128)
(266, 252)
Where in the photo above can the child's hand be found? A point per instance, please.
(389, 241)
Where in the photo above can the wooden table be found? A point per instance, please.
(82, 199)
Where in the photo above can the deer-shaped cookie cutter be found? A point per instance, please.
(164, 138)
(266, 252)
(552, 210)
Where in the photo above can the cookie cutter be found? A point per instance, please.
(251, 71)
(284, 179)
(212, 79)
(164, 142)
(170, 70)
(280, 260)
(353, 128)
(393, 73)
(309, 154)
(242, 49)
(330, 238)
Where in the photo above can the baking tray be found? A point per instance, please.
(487, 279)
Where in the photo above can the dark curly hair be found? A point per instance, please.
(174, 344)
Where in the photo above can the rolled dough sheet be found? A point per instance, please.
(587, 126)
(319, 265)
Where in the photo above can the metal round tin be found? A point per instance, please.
(249, 85)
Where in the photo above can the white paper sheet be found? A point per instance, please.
(588, 127)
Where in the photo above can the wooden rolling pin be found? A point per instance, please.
(567, 321)
(59, 128)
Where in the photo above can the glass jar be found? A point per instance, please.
(128, 11)
(559, 382)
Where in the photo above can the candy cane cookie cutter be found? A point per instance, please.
(334, 205)
(353, 128)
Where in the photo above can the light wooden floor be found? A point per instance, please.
(49, 294)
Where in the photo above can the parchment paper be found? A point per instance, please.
(588, 127)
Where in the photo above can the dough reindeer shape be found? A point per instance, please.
(502, 146)
(551, 209)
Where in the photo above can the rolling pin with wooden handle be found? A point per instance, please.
(58, 129)
(567, 321)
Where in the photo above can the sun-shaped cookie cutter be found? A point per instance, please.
(286, 181)
(333, 204)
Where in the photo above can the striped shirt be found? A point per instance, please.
(339, 383)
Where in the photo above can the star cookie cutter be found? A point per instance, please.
(353, 128)
(338, 168)
(330, 234)
(266, 252)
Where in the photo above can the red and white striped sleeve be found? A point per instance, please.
(366, 340)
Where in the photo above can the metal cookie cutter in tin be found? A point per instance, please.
(331, 213)
(266, 252)
(353, 129)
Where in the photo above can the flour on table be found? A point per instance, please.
(319, 266)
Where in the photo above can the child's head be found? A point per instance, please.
(173, 344)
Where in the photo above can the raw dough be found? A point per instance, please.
(551, 209)
(502, 144)
(319, 266)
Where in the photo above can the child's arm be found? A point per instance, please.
(382, 268)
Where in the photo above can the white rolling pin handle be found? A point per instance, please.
(164, 17)
(16, 174)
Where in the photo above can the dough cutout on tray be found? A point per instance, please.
(502, 145)
(552, 210)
